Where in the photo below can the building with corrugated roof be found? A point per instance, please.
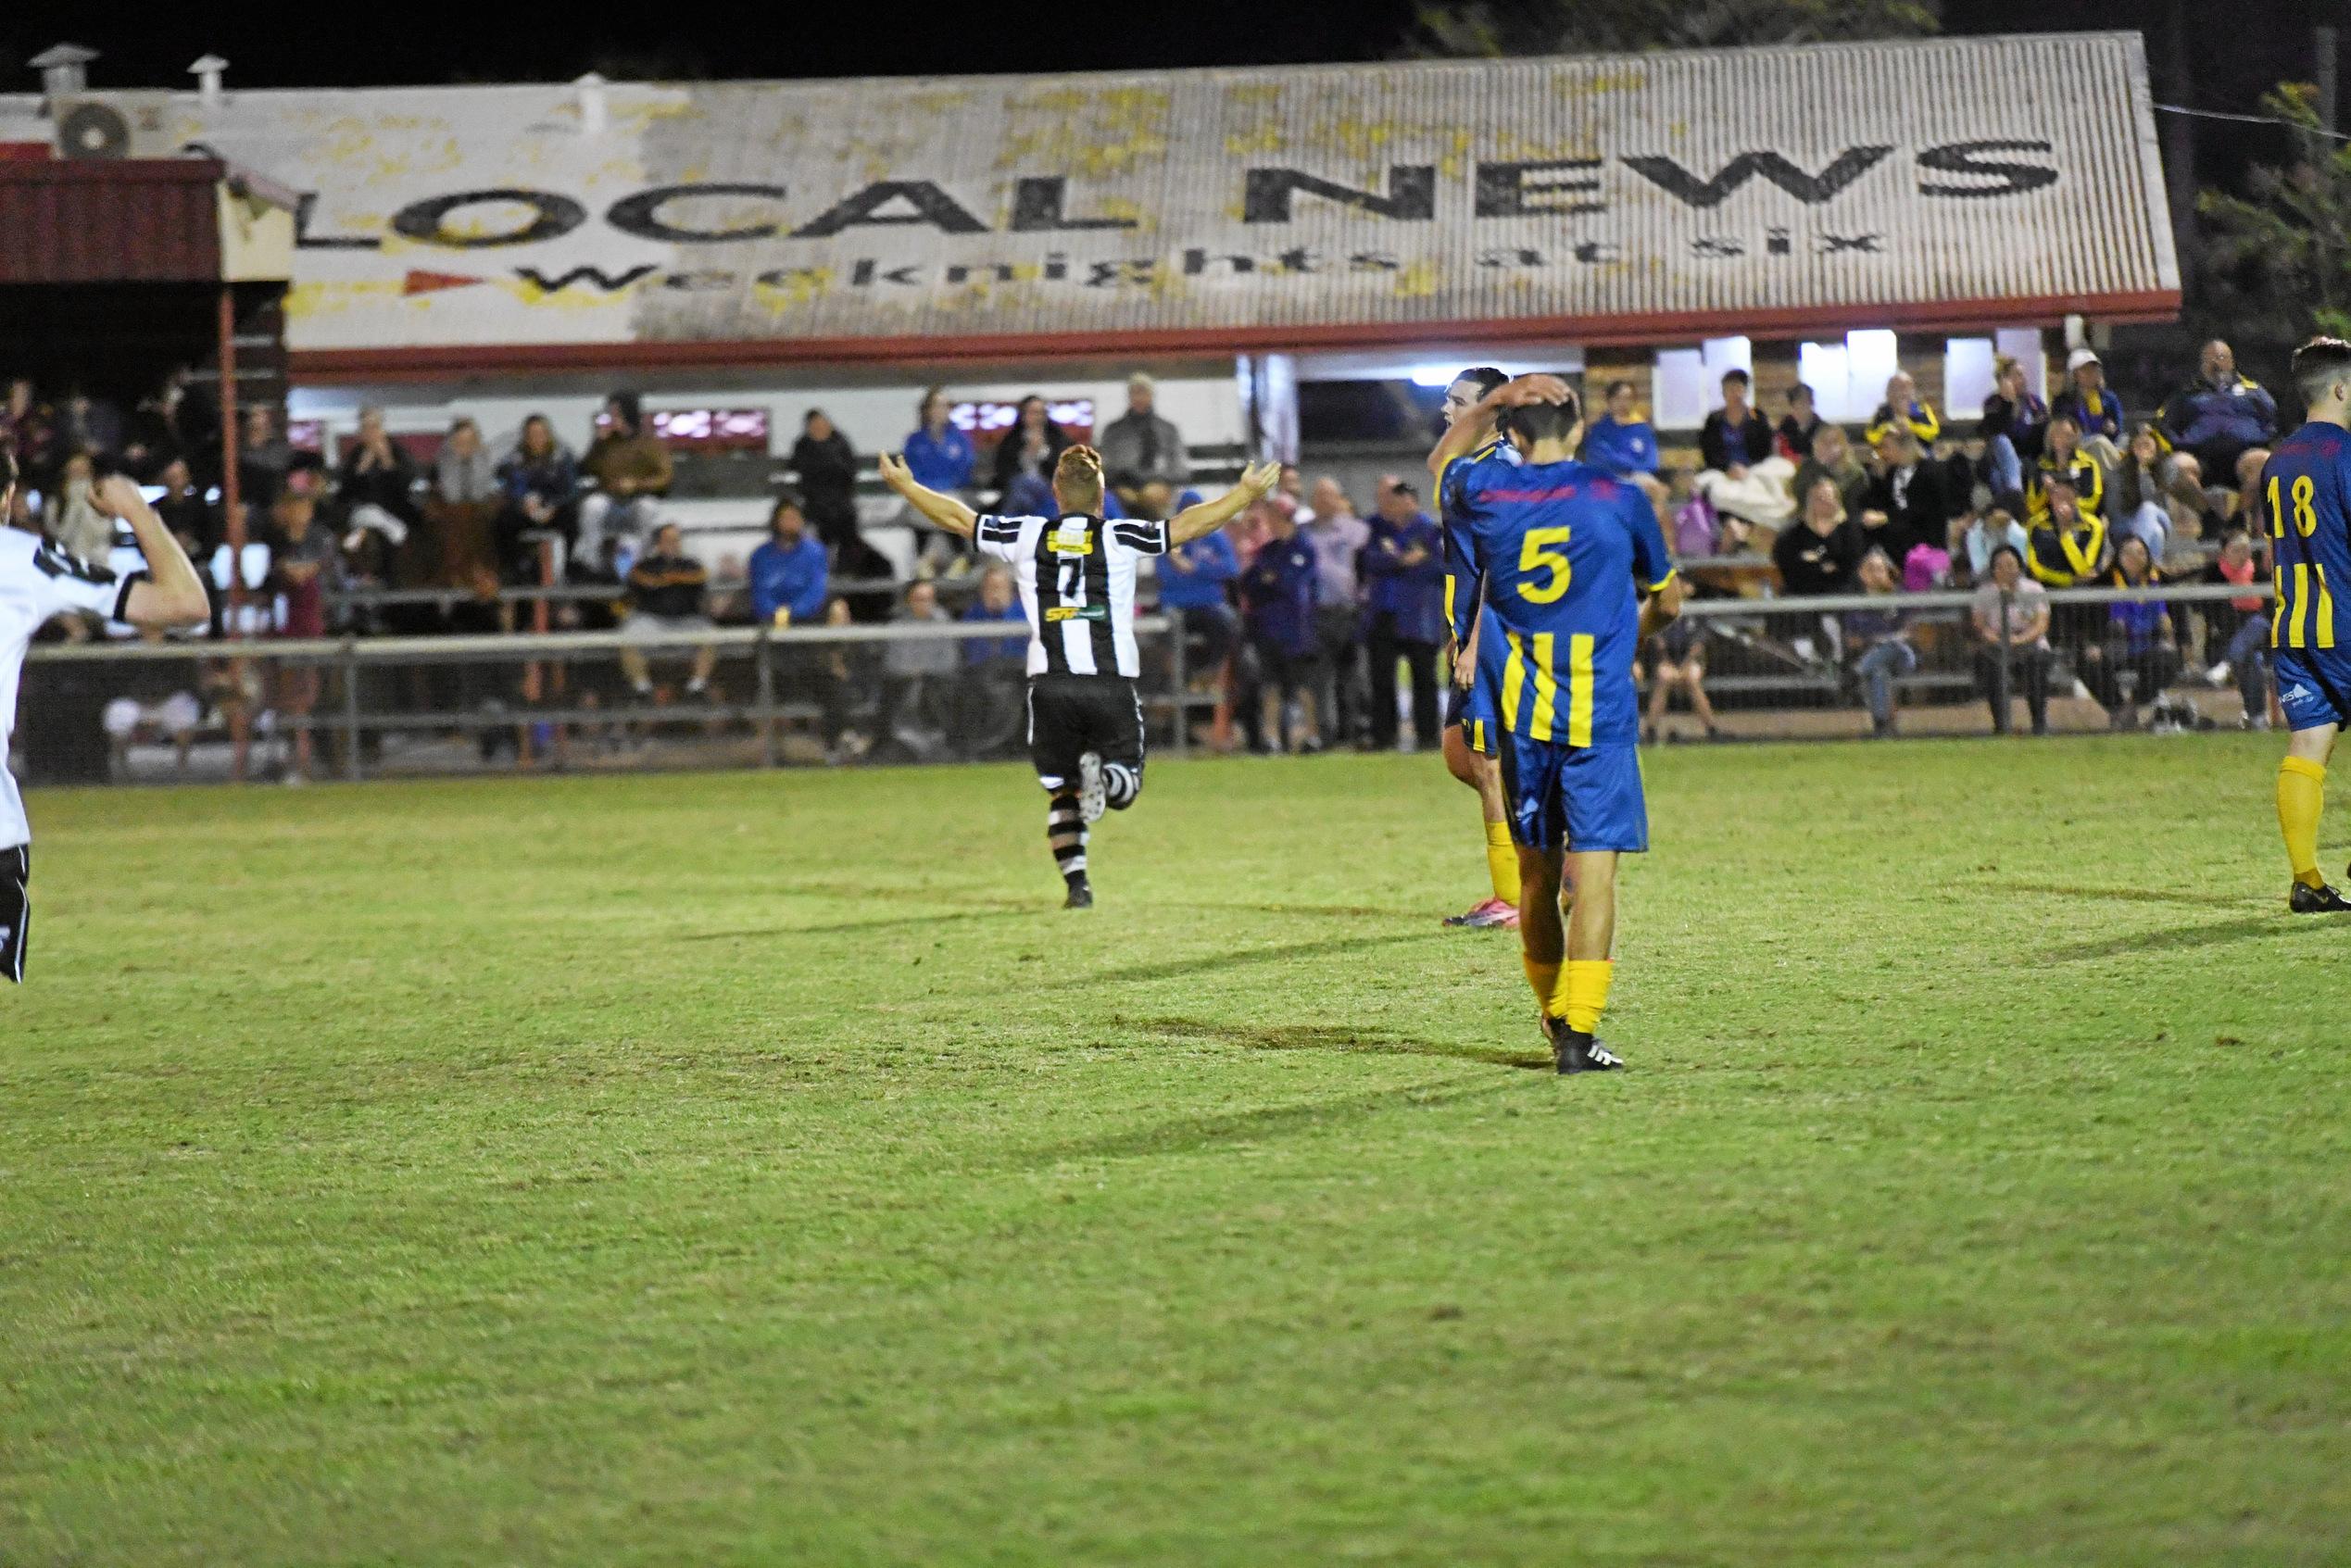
(735, 247)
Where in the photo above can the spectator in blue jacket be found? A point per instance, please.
(2141, 642)
(990, 707)
(1404, 611)
(788, 573)
(540, 482)
(938, 454)
(2217, 419)
(1195, 586)
(1622, 443)
(1277, 605)
(997, 601)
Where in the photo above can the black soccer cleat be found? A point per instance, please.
(1572, 1051)
(1081, 896)
(2323, 900)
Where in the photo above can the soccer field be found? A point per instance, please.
(750, 1169)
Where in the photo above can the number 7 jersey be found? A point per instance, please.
(1076, 579)
(2305, 489)
(1558, 552)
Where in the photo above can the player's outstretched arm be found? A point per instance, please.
(1475, 427)
(944, 511)
(173, 595)
(1256, 483)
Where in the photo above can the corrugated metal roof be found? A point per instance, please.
(143, 221)
(1658, 197)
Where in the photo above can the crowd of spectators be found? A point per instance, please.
(1305, 614)
(2080, 494)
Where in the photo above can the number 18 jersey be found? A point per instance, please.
(2305, 489)
(1557, 551)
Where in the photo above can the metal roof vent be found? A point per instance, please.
(592, 110)
(207, 75)
(64, 70)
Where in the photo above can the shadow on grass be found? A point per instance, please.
(1187, 1135)
(1354, 911)
(2178, 937)
(2130, 895)
(1345, 1041)
(1239, 958)
(892, 922)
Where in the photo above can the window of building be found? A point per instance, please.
(1967, 376)
(1689, 380)
(1848, 378)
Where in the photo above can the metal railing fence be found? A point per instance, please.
(354, 706)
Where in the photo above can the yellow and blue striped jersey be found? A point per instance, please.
(2306, 487)
(1558, 552)
(1492, 644)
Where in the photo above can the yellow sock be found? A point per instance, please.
(1584, 996)
(1544, 978)
(2302, 793)
(1502, 861)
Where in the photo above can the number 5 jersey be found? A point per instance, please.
(1558, 552)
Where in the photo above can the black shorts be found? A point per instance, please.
(16, 911)
(1071, 715)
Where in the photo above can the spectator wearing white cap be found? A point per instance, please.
(2092, 403)
(1141, 447)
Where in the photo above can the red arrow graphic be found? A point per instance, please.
(433, 282)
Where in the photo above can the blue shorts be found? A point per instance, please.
(1574, 796)
(1474, 711)
(2312, 686)
(1477, 709)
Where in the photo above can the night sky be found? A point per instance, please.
(394, 44)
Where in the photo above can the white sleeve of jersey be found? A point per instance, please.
(61, 584)
(1006, 538)
(1141, 536)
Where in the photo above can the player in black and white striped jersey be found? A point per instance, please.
(37, 581)
(1076, 576)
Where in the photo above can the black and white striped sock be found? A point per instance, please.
(1121, 784)
(1065, 831)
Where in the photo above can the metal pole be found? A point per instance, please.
(763, 651)
(2325, 47)
(351, 708)
(233, 510)
(233, 524)
(2000, 687)
(2180, 138)
(1176, 676)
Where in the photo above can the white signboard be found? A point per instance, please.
(1657, 197)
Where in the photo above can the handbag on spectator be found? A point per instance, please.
(1695, 528)
(1926, 567)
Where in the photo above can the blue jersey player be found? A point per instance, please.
(1560, 553)
(1469, 716)
(2306, 486)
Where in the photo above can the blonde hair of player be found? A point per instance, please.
(1077, 480)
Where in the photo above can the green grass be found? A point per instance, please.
(755, 1169)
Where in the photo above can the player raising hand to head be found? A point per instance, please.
(38, 582)
(1561, 552)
